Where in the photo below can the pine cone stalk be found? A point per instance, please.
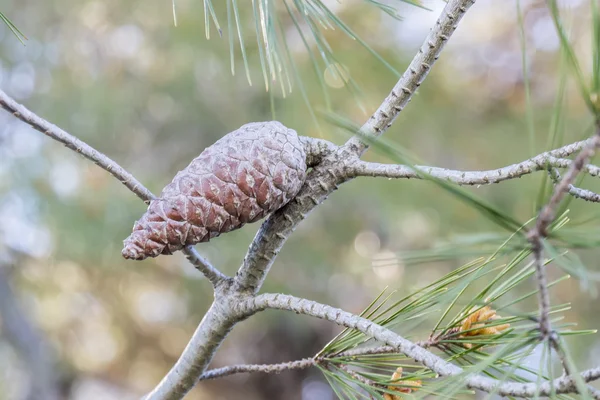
(243, 177)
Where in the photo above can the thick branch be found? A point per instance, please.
(70, 141)
(412, 78)
(216, 324)
(564, 384)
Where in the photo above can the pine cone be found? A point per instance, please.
(241, 178)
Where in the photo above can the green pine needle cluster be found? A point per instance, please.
(311, 19)
(435, 313)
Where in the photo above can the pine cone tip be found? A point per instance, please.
(132, 253)
(133, 248)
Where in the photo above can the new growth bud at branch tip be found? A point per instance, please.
(243, 177)
(475, 324)
(401, 386)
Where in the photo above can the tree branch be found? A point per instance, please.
(574, 191)
(211, 273)
(349, 320)
(546, 215)
(589, 169)
(365, 351)
(301, 364)
(21, 112)
(588, 376)
(540, 231)
(56, 133)
(564, 384)
(264, 368)
(369, 351)
(595, 393)
(540, 162)
(412, 78)
(316, 149)
(212, 330)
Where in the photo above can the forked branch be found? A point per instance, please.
(539, 232)
(564, 384)
(541, 162)
(574, 191)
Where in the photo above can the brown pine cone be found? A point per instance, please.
(243, 177)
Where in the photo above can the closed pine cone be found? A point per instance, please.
(241, 178)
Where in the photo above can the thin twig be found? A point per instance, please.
(546, 215)
(56, 133)
(263, 368)
(365, 351)
(589, 169)
(595, 393)
(540, 162)
(574, 191)
(301, 364)
(211, 273)
(21, 112)
(545, 218)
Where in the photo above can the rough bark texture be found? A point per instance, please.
(242, 178)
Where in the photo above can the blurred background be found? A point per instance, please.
(120, 76)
